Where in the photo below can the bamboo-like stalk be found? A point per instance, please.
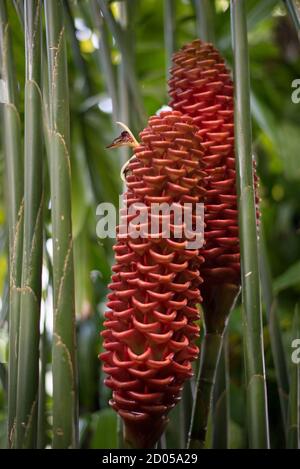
(169, 32)
(65, 428)
(19, 7)
(293, 421)
(277, 347)
(258, 427)
(42, 411)
(41, 424)
(14, 186)
(220, 406)
(28, 365)
(205, 19)
(294, 12)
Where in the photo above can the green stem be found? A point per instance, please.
(65, 418)
(41, 425)
(186, 409)
(11, 126)
(19, 7)
(220, 407)
(211, 348)
(254, 356)
(169, 32)
(120, 433)
(28, 366)
(205, 19)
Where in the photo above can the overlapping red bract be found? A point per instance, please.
(150, 326)
(201, 87)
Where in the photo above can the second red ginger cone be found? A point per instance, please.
(151, 324)
(201, 87)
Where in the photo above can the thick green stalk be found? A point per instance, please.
(205, 19)
(277, 347)
(41, 424)
(218, 303)
(210, 353)
(169, 32)
(28, 366)
(254, 352)
(65, 431)
(19, 7)
(11, 126)
(220, 406)
(293, 421)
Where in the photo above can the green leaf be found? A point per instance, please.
(260, 12)
(264, 118)
(290, 278)
(288, 136)
(65, 419)
(11, 138)
(104, 428)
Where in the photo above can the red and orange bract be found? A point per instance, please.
(150, 327)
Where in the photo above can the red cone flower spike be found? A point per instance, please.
(201, 87)
(150, 327)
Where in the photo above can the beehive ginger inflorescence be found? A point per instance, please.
(151, 322)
